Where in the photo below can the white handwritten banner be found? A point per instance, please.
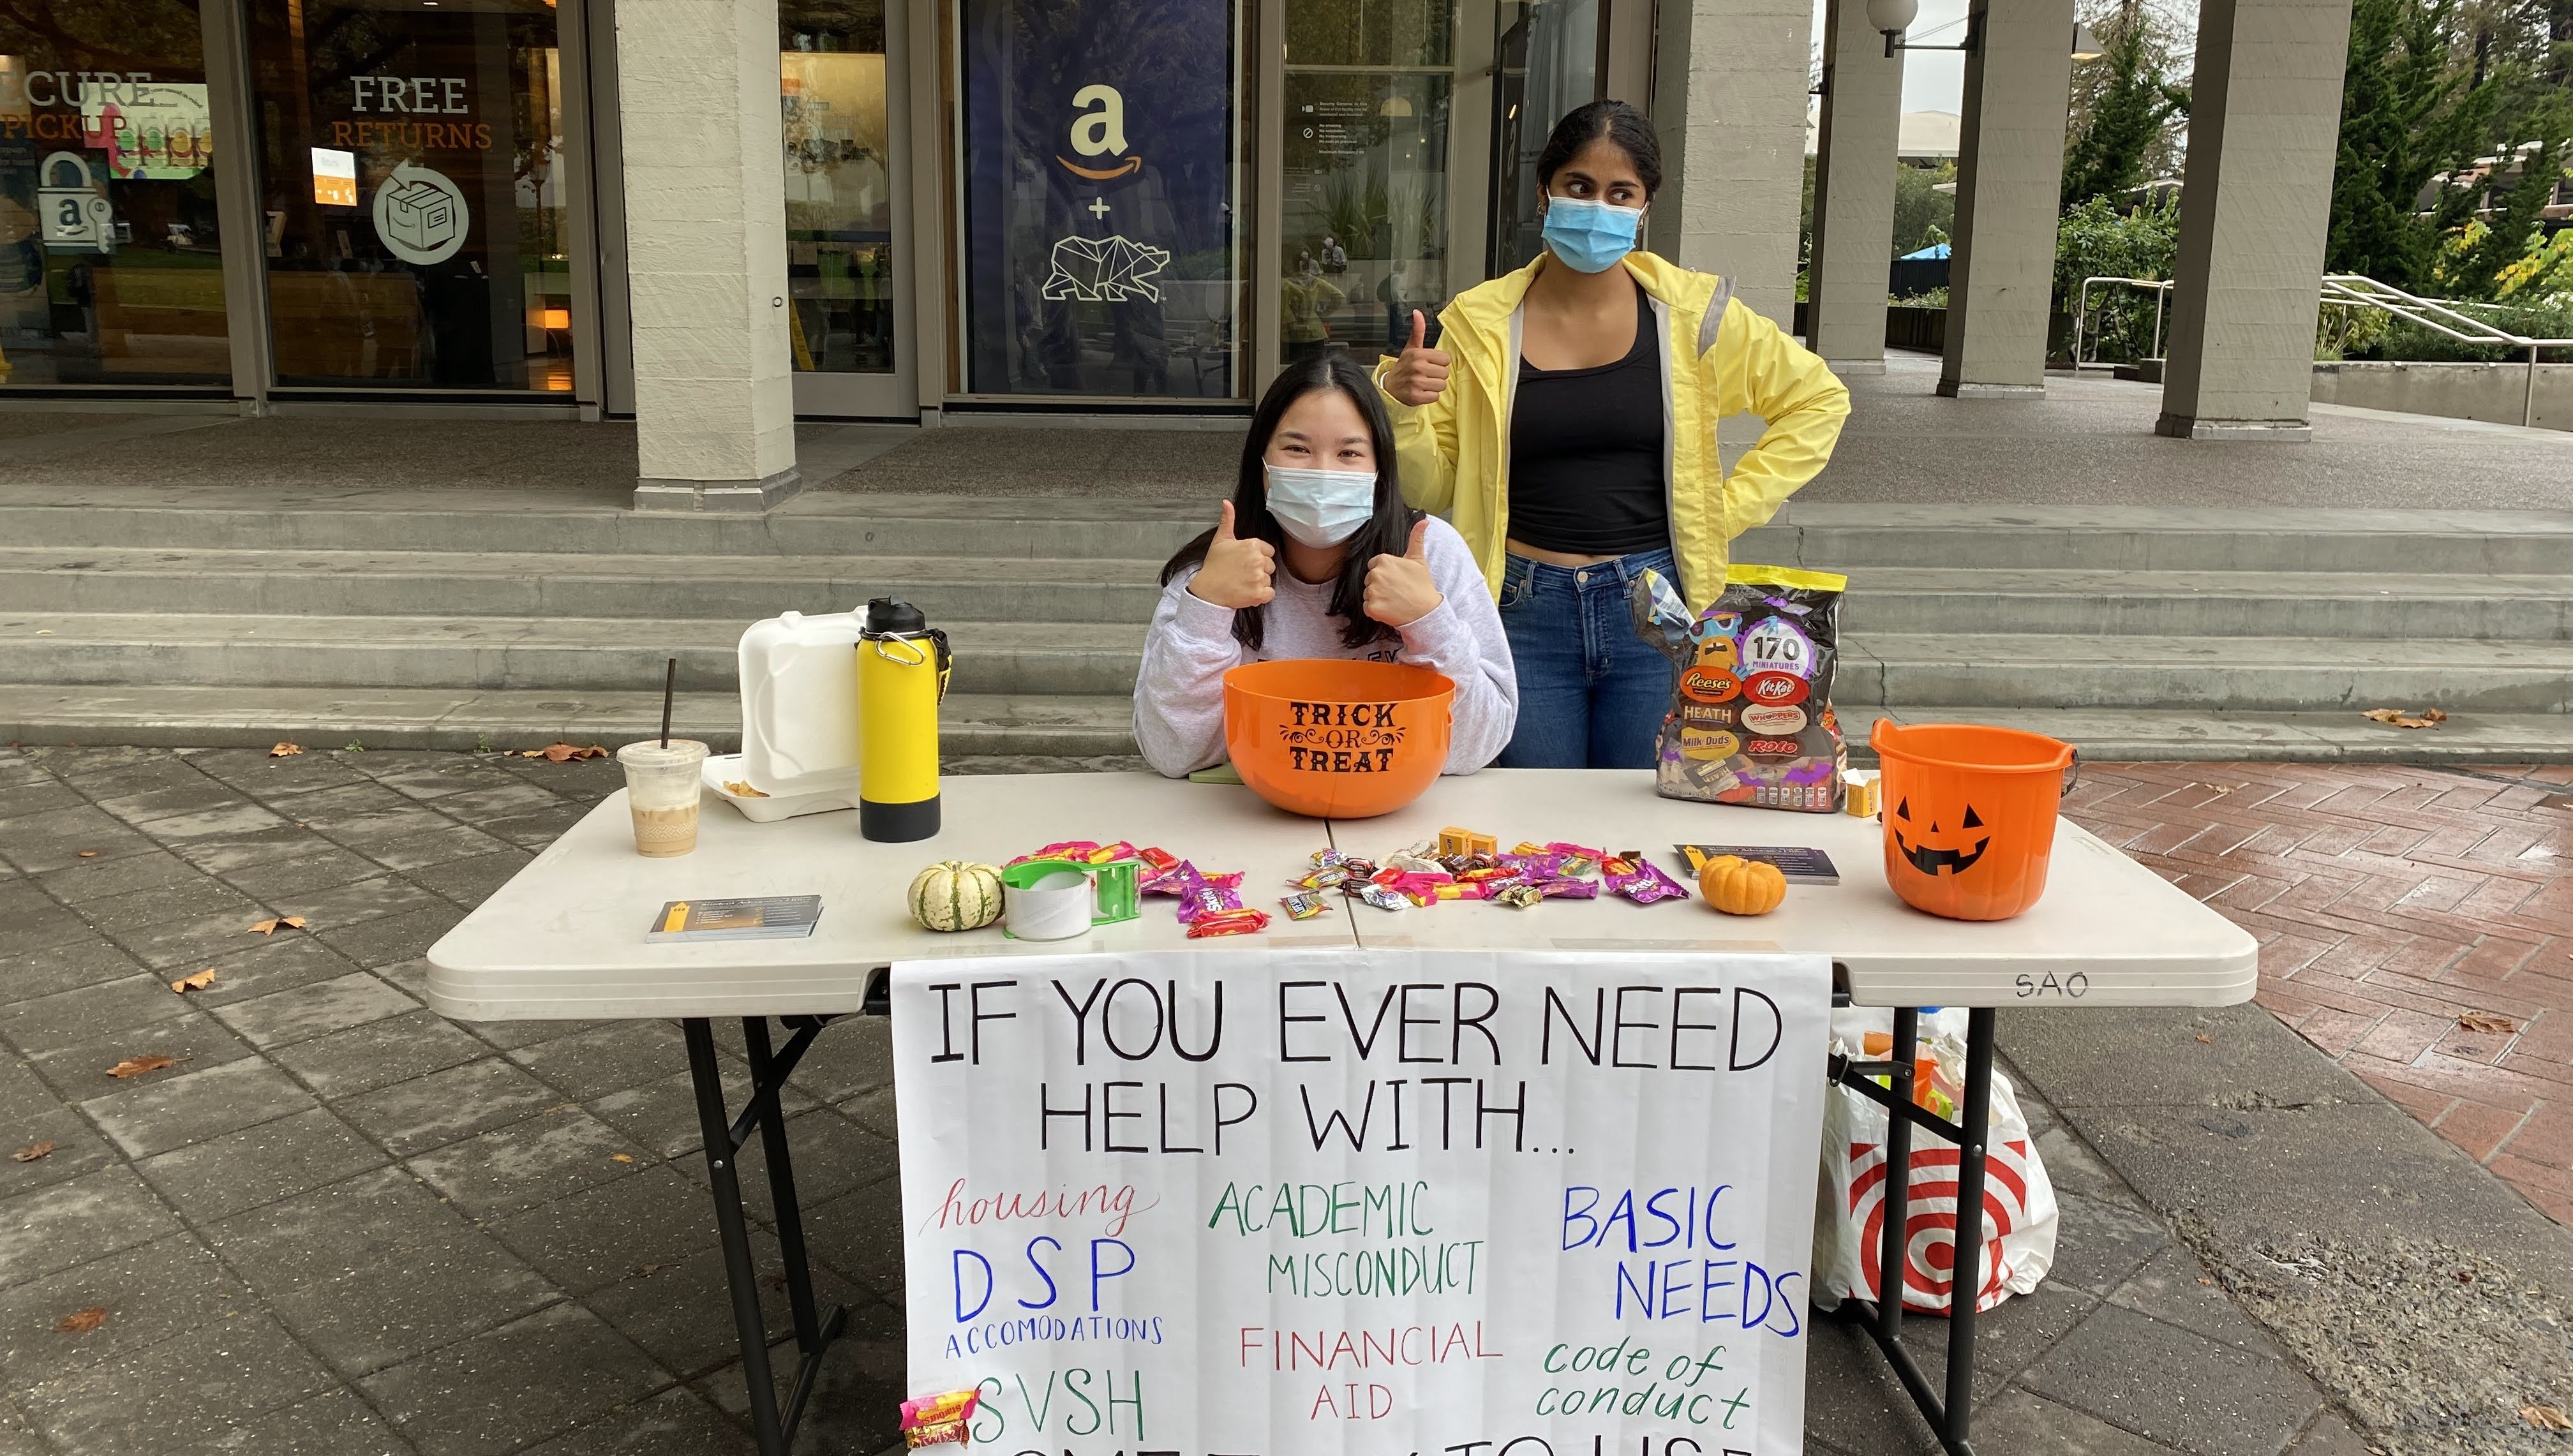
(1307, 1203)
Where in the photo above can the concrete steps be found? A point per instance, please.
(474, 617)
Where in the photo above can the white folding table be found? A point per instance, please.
(564, 940)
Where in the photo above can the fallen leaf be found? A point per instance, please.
(621, 1156)
(2211, 1041)
(198, 981)
(2546, 1417)
(286, 750)
(83, 1321)
(2426, 718)
(32, 1152)
(89, 853)
(268, 927)
(565, 752)
(136, 1066)
(2488, 1023)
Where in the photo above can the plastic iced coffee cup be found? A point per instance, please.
(661, 787)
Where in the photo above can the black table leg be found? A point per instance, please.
(771, 1427)
(1950, 1412)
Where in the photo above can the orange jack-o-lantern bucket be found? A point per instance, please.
(1969, 815)
(1334, 738)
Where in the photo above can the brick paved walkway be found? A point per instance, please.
(2414, 924)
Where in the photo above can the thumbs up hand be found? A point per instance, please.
(1237, 571)
(1400, 590)
(1420, 372)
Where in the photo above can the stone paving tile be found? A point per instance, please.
(2412, 898)
(498, 1232)
(2124, 1368)
(521, 1383)
(224, 1375)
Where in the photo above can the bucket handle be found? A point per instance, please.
(2072, 775)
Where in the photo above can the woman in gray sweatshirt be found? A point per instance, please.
(1316, 555)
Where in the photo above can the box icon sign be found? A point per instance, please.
(420, 215)
(74, 214)
(334, 178)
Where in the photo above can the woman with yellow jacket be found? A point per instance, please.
(1566, 427)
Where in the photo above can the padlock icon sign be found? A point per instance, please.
(74, 213)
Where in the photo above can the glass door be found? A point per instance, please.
(848, 263)
(111, 272)
(1549, 53)
(413, 187)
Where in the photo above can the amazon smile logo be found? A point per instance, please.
(1099, 133)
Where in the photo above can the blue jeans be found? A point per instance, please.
(1591, 693)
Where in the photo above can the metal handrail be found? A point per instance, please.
(2082, 310)
(2440, 317)
(2359, 291)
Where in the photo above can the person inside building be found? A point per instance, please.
(1567, 425)
(1316, 555)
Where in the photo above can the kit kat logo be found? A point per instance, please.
(1100, 133)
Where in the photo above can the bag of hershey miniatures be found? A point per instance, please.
(1751, 718)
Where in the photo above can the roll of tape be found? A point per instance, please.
(1055, 908)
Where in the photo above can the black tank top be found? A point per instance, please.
(1587, 472)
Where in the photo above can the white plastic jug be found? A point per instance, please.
(799, 702)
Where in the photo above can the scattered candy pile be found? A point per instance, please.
(938, 1420)
(1461, 865)
(1209, 905)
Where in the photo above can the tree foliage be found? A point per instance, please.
(2132, 104)
(2408, 112)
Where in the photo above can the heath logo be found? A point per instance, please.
(1341, 738)
(1100, 133)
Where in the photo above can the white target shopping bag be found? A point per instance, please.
(2018, 1222)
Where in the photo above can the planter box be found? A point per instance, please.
(2493, 393)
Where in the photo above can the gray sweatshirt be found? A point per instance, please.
(1179, 694)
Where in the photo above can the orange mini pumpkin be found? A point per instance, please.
(1738, 886)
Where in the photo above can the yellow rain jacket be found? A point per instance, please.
(1718, 358)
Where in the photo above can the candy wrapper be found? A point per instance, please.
(938, 1420)
(1234, 921)
(1208, 900)
(1158, 859)
(1751, 719)
(1303, 905)
(1646, 883)
(1177, 878)
(1567, 889)
(1382, 897)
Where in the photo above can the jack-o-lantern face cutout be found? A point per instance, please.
(1934, 849)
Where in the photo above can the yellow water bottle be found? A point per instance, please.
(901, 674)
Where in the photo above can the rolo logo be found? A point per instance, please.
(1100, 133)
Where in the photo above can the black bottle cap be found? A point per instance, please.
(889, 615)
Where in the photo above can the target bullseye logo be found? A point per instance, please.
(1929, 1221)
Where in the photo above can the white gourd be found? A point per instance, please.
(954, 895)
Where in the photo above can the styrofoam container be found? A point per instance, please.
(799, 703)
(723, 771)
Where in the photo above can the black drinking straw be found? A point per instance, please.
(669, 687)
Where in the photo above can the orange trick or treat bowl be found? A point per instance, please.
(1969, 815)
(1336, 739)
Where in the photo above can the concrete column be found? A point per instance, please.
(2009, 168)
(1729, 101)
(1854, 193)
(2263, 130)
(705, 221)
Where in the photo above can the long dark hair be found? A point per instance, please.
(1620, 123)
(1388, 532)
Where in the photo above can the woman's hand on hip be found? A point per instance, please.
(1237, 571)
(1398, 589)
(1419, 374)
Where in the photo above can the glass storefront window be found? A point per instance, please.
(1102, 197)
(413, 179)
(839, 192)
(111, 272)
(1549, 64)
(1369, 88)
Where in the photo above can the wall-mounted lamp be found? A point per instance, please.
(1894, 17)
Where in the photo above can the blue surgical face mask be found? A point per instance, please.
(1320, 507)
(1589, 235)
